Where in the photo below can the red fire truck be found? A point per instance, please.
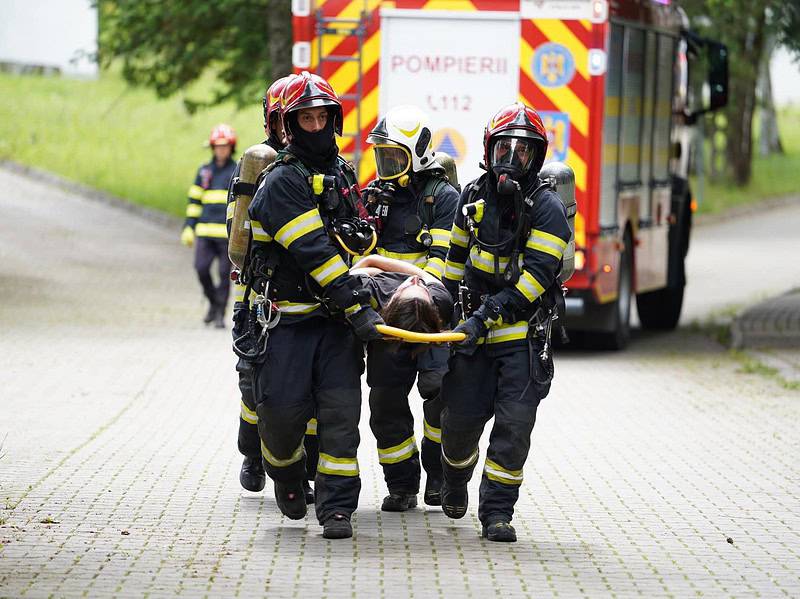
(618, 84)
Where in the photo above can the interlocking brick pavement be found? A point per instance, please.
(120, 467)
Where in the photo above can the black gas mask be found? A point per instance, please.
(511, 159)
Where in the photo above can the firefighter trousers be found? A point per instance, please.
(249, 441)
(391, 372)
(206, 250)
(312, 367)
(475, 388)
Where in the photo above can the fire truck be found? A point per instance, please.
(618, 83)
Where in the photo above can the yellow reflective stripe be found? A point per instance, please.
(211, 230)
(507, 332)
(435, 266)
(259, 234)
(296, 307)
(194, 210)
(215, 196)
(458, 236)
(496, 472)
(398, 453)
(296, 456)
(337, 466)
(238, 292)
(329, 270)
(484, 260)
(415, 258)
(248, 415)
(529, 286)
(299, 226)
(230, 210)
(453, 270)
(441, 238)
(196, 192)
(463, 463)
(432, 433)
(352, 309)
(311, 427)
(547, 243)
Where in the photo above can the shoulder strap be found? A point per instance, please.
(432, 186)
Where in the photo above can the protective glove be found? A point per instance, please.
(364, 322)
(474, 328)
(187, 236)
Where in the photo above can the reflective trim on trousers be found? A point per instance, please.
(432, 433)
(497, 473)
(337, 466)
(398, 453)
(463, 463)
(248, 415)
(296, 456)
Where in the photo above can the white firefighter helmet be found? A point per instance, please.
(402, 144)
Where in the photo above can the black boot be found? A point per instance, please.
(454, 500)
(252, 475)
(219, 317)
(211, 314)
(399, 502)
(309, 492)
(291, 500)
(433, 491)
(337, 527)
(500, 530)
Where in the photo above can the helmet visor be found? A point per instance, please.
(392, 161)
(514, 152)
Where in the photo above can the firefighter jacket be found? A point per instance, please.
(290, 223)
(434, 203)
(539, 249)
(205, 211)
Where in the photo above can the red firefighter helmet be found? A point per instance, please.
(222, 135)
(272, 99)
(522, 127)
(308, 90)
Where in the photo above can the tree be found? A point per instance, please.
(744, 26)
(167, 46)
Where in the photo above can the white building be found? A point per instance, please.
(54, 34)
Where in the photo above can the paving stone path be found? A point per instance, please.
(660, 471)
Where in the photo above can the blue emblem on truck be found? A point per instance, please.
(553, 65)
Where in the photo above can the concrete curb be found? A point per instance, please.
(775, 323)
(162, 219)
(703, 220)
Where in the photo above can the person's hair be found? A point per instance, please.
(413, 314)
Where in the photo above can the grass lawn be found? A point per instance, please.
(112, 137)
(773, 176)
(128, 142)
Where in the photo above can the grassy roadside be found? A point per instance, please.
(112, 137)
(131, 144)
(773, 176)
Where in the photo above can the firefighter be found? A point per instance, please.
(205, 221)
(311, 316)
(412, 205)
(503, 264)
(251, 475)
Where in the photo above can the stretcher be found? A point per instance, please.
(414, 337)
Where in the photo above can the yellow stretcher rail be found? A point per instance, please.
(414, 337)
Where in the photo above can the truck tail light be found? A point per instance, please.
(580, 259)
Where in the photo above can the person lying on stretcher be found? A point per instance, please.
(407, 297)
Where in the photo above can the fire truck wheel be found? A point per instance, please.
(619, 331)
(660, 310)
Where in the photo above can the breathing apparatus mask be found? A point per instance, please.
(510, 160)
(393, 162)
(354, 235)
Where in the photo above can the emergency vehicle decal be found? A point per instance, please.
(557, 52)
(450, 141)
(553, 65)
(557, 126)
